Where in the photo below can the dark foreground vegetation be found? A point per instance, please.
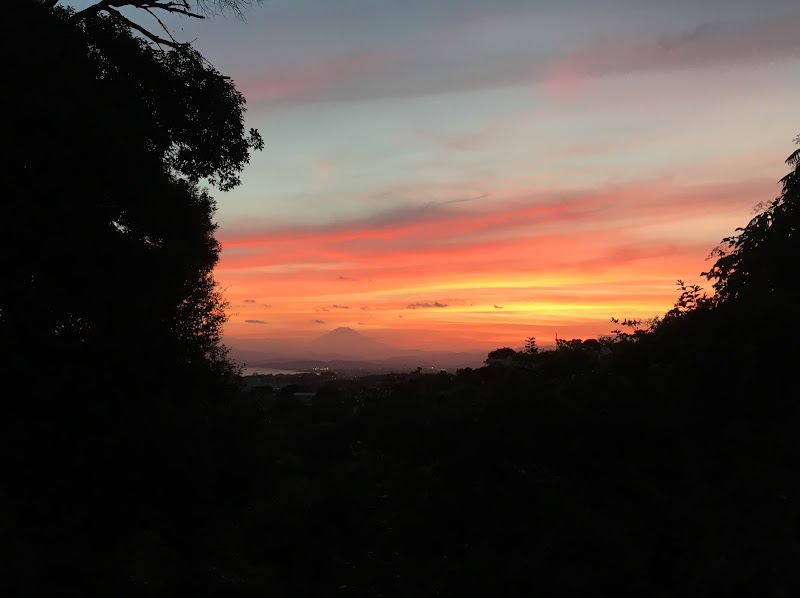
(660, 462)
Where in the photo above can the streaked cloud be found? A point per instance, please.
(419, 305)
(708, 45)
(449, 60)
(576, 257)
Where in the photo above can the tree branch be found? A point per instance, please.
(180, 7)
(151, 36)
(160, 22)
(180, 11)
(91, 10)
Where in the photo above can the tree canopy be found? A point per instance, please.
(115, 381)
(110, 234)
(758, 264)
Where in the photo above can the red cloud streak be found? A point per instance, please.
(568, 261)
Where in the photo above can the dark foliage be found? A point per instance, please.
(110, 238)
(117, 411)
(657, 462)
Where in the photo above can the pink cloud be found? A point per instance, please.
(302, 83)
(442, 227)
(704, 46)
(505, 246)
(416, 70)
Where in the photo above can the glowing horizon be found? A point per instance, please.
(472, 277)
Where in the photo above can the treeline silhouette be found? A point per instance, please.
(660, 461)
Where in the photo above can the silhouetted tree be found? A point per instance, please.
(110, 235)
(749, 324)
(506, 354)
(759, 263)
(639, 328)
(118, 434)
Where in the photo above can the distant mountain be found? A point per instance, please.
(345, 349)
(346, 342)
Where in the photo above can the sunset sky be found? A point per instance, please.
(463, 174)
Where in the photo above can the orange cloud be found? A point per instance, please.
(560, 262)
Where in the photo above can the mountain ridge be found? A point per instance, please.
(343, 345)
